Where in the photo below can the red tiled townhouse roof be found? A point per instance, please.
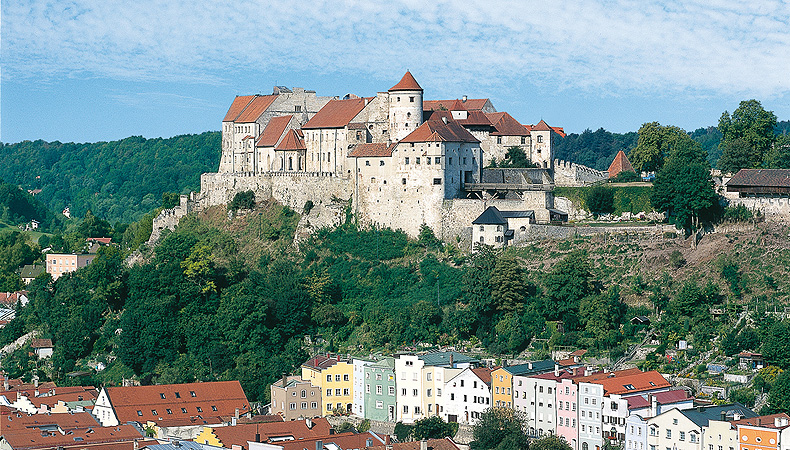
(439, 131)
(620, 164)
(761, 178)
(11, 298)
(296, 429)
(150, 403)
(321, 362)
(255, 108)
(34, 438)
(15, 422)
(767, 421)
(236, 108)
(336, 113)
(506, 125)
(274, 131)
(484, 373)
(633, 383)
(342, 440)
(372, 150)
(291, 141)
(603, 375)
(559, 130)
(407, 83)
(435, 444)
(476, 118)
(471, 104)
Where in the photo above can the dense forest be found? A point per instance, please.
(117, 180)
(18, 207)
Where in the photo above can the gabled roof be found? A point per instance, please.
(620, 164)
(491, 216)
(296, 429)
(476, 118)
(471, 104)
(291, 141)
(10, 298)
(215, 399)
(321, 362)
(339, 441)
(255, 108)
(336, 113)
(518, 215)
(645, 381)
(273, 132)
(15, 422)
(673, 396)
(435, 444)
(236, 108)
(75, 437)
(41, 343)
(439, 131)
(701, 416)
(407, 83)
(506, 125)
(484, 373)
(768, 421)
(761, 177)
(446, 358)
(376, 149)
(532, 368)
(542, 126)
(604, 375)
(559, 130)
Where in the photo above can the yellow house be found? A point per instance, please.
(335, 377)
(502, 380)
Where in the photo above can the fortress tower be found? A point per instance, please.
(405, 107)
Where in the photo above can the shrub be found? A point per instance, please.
(676, 259)
(739, 213)
(242, 200)
(625, 177)
(308, 205)
(600, 200)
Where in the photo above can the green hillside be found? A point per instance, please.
(117, 180)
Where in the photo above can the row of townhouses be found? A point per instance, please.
(638, 410)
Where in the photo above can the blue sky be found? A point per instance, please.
(91, 70)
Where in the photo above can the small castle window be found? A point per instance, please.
(464, 160)
(428, 160)
(367, 162)
(402, 181)
(437, 181)
(381, 163)
(540, 138)
(450, 160)
(411, 99)
(523, 140)
(297, 108)
(398, 98)
(417, 160)
(482, 228)
(499, 139)
(412, 144)
(408, 114)
(437, 160)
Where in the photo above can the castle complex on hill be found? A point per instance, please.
(402, 160)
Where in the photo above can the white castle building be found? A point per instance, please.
(402, 160)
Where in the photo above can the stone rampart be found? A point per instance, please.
(169, 218)
(772, 208)
(571, 174)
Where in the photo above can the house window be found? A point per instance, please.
(428, 160)
(139, 413)
(379, 404)
(162, 395)
(329, 407)
(402, 181)
(213, 408)
(437, 160)
(329, 378)
(669, 434)
(178, 395)
(499, 139)
(184, 410)
(429, 393)
(381, 163)
(153, 411)
(303, 394)
(329, 392)
(379, 390)
(403, 392)
(392, 390)
(405, 409)
(367, 162)
(428, 376)
(417, 160)
(367, 389)
(464, 160)
(437, 181)
(346, 392)
(337, 377)
(337, 392)
(345, 377)
(682, 435)
(304, 405)
(540, 138)
(523, 140)
(297, 108)
(411, 99)
(313, 405)
(407, 160)
(415, 392)
(378, 376)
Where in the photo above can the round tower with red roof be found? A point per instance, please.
(405, 107)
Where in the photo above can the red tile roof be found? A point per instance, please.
(632, 383)
(620, 164)
(767, 421)
(344, 440)
(471, 104)
(435, 444)
(214, 399)
(236, 108)
(321, 362)
(52, 400)
(103, 240)
(484, 373)
(336, 114)
(437, 130)
(476, 118)
(298, 429)
(603, 375)
(256, 107)
(559, 130)
(542, 126)
(75, 437)
(16, 422)
(637, 402)
(41, 343)
(673, 396)
(377, 149)
(506, 125)
(407, 83)
(11, 298)
(291, 141)
(761, 178)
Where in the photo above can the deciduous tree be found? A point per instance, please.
(754, 125)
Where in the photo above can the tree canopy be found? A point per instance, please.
(747, 136)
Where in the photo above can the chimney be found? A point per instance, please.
(653, 404)
(556, 370)
(444, 119)
(285, 379)
(451, 360)
(319, 445)
(529, 365)
(233, 421)
(135, 445)
(424, 444)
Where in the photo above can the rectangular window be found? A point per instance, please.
(392, 390)
(499, 139)
(367, 389)
(367, 162)
(292, 406)
(337, 377)
(329, 378)
(411, 99)
(437, 160)
(450, 161)
(379, 404)
(337, 392)
(345, 377)
(304, 405)
(406, 160)
(437, 181)
(417, 160)
(329, 407)
(464, 160)
(415, 392)
(346, 391)
(329, 392)
(429, 393)
(682, 435)
(403, 181)
(405, 409)
(669, 434)
(379, 390)
(313, 405)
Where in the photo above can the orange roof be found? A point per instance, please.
(103, 240)
(209, 399)
(343, 440)
(471, 104)
(273, 131)
(407, 83)
(41, 343)
(542, 126)
(620, 164)
(768, 421)
(603, 375)
(16, 422)
(506, 125)
(10, 298)
(476, 118)
(377, 149)
(238, 105)
(291, 141)
(632, 383)
(34, 438)
(437, 130)
(52, 400)
(336, 113)
(255, 108)
(559, 130)
(298, 429)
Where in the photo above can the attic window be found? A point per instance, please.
(178, 395)
(153, 411)
(652, 384)
(169, 411)
(213, 408)
(162, 394)
(184, 410)
(139, 413)
(199, 409)
(629, 386)
(192, 393)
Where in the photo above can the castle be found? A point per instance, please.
(402, 160)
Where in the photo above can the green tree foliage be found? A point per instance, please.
(656, 143)
(18, 207)
(551, 442)
(170, 200)
(779, 398)
(515, 157)
(15, 252)
(569, 281)
(501, 429)
(601, 316)
(736, 154)
(752, 124)
(427, 238)
(626, 176)
(433, 428)
(709, 138)
(776, 345)
(744, 396)
(242, 200)
(600, 200)
(778, 157)
(403, 431)
(93, 227)
(684, 187)
(117, 180)
(594, 149)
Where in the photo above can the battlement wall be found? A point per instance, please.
(570, 174)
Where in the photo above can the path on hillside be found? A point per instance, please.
(18, 343)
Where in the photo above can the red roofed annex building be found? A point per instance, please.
(398, 157)
(764, 190)
(171, 405)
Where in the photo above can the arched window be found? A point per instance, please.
(290, 163)
(585, 446)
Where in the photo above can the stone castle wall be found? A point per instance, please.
(572, 174)
(772, 208)
(169, 218)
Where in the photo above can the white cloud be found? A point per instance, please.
(607, 46)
